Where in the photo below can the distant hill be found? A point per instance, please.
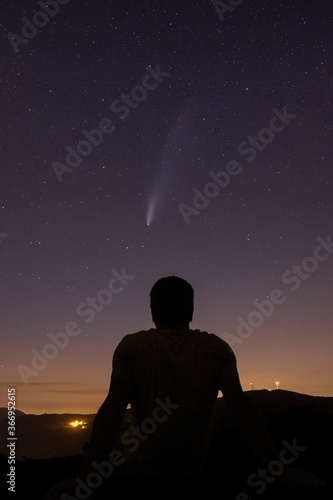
(279, 403)
(4, 413)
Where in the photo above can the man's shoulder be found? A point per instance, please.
(140, 334)
(212, 338)
(200, 336)
(208, 335)
(132, 340)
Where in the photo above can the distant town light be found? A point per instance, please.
(78, 424)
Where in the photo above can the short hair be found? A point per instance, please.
(171, 301)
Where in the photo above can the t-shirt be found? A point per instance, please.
(175, 376)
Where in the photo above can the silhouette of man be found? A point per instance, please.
(170, 375)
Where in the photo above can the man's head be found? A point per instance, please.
(171, 302)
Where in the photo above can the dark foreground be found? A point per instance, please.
(304, 432)
(231, 468)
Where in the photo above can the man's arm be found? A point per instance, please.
(107, 424)
(248, 419)
(105, 430)
(252, 425)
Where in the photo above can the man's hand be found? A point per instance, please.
(67, 486)
(301, 478)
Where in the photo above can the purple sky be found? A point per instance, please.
(216, 129)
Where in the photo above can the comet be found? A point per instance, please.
(151, 210)
(171, 162)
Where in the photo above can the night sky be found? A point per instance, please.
(153, 138)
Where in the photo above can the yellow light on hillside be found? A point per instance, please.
(78, 424)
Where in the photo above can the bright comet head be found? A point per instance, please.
(151, 211)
